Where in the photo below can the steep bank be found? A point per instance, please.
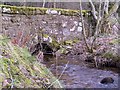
(21, 70)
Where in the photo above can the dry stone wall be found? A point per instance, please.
(60, 26)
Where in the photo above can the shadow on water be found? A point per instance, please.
(78, 74)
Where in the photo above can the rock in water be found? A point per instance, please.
(107, 80)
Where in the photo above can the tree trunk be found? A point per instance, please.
(83, 28)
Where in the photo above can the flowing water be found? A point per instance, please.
(74, 73)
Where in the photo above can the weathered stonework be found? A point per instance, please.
(51, 25)
(58, 24)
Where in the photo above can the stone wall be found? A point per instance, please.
(59, 26)
(23, 24)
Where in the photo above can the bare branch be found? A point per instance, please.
(113, 10)
(94, 12)
(83, 27)
(100, 9)
(54, 3)
(106, 5)
(97, 26)
(43, 3)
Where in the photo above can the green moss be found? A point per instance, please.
(76, 40)
(63, 51)
(2, 76)
(45, 35)
(110, 55)
(68, 42)
(20, 66)
(115, 41)
(28, 81)
(42, 11)
(55, 44)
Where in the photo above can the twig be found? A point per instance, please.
(43, 3)
(96, 64)
(59, 76)
(97, 26)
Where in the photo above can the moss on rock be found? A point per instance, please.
(42, 11)
(110, 55)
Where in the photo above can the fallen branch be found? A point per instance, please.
(59, 76)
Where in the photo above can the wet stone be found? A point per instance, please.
(107, 80)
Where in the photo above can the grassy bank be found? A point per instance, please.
(21, 70)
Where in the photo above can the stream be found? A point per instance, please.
(75, 73)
